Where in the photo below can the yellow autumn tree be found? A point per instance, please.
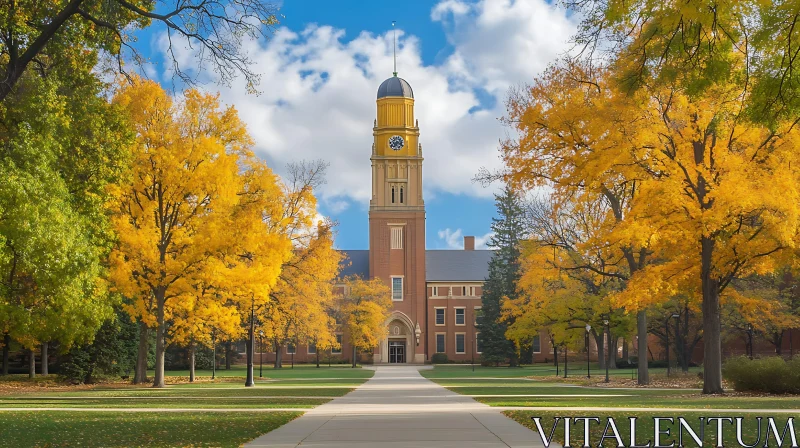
(712, 196)
(562, 144)
(722, 191)
(298, 310)
(175, 217)
(558, 292)
(364, 307)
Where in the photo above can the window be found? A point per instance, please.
(397, 237)
(478, 345)
(435, 291)
(440, 316)
(338, 351)
(478, 315)
(537, 345)
(312, 348)
(397, 289)
(440, 342)
(392, 195)
(470, 291)
(291, 349)
(460, 343)
(460, 312)
(401, 195)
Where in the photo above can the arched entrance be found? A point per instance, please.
(398, 346)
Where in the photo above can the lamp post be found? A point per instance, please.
(750, 339)
(214, 355)
(608, 345)
(261, 355)
(588, 372)
(251, 346)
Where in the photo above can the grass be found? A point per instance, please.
(300, 371)
(107, 429)
(577, 370)
(560, 394)
(164, 403)
(645, 427)
(303, 387)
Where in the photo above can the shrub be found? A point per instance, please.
(112, 353)
(439, 358)
(773, 374)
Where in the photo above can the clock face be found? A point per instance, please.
(396, 142)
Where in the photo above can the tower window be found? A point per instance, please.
(392, 195)
(397, 288)
(401, 195)
(397, 237)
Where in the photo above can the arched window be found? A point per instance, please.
(392, 195)
(401, 195)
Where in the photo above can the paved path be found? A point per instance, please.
(400, 408)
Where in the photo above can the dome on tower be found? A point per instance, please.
(395, 86)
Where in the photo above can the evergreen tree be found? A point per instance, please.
(508, 228)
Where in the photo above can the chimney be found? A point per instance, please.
(469, 243)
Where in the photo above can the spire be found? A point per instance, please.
(394, 47)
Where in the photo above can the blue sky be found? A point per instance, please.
(320, 71)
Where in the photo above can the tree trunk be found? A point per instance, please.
(278, 356)
(712, 334)
(354, 357)
(158, 380)
(140, 374)
(317, 350)
(778, 342)
(32, 364)
(191, 362)
(6, 349)
(601, 350)
(625, 351)
(45, 368)
(612, 350)
(228, 353)
(644, 373)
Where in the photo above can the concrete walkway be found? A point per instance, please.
(400, 408)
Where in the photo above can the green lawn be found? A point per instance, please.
(512, 391)
(303, 387)
(300, 371)
(577, 371)
(645, 427)
(108, 429)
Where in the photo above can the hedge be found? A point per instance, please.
(773, 374)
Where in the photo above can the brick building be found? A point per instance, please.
(436, 294)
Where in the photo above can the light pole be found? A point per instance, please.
(261, 355)
(214, 351)
(588, 372)
(750, 339)
(607, 345)
(472, 351)
(251, 346)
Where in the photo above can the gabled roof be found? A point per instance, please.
(440, 265)
(356, 262)
(457, 265)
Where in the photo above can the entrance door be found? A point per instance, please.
(397, 352)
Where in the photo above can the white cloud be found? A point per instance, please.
(318, 92)
(455, 239)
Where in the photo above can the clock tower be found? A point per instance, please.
(397, 221)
